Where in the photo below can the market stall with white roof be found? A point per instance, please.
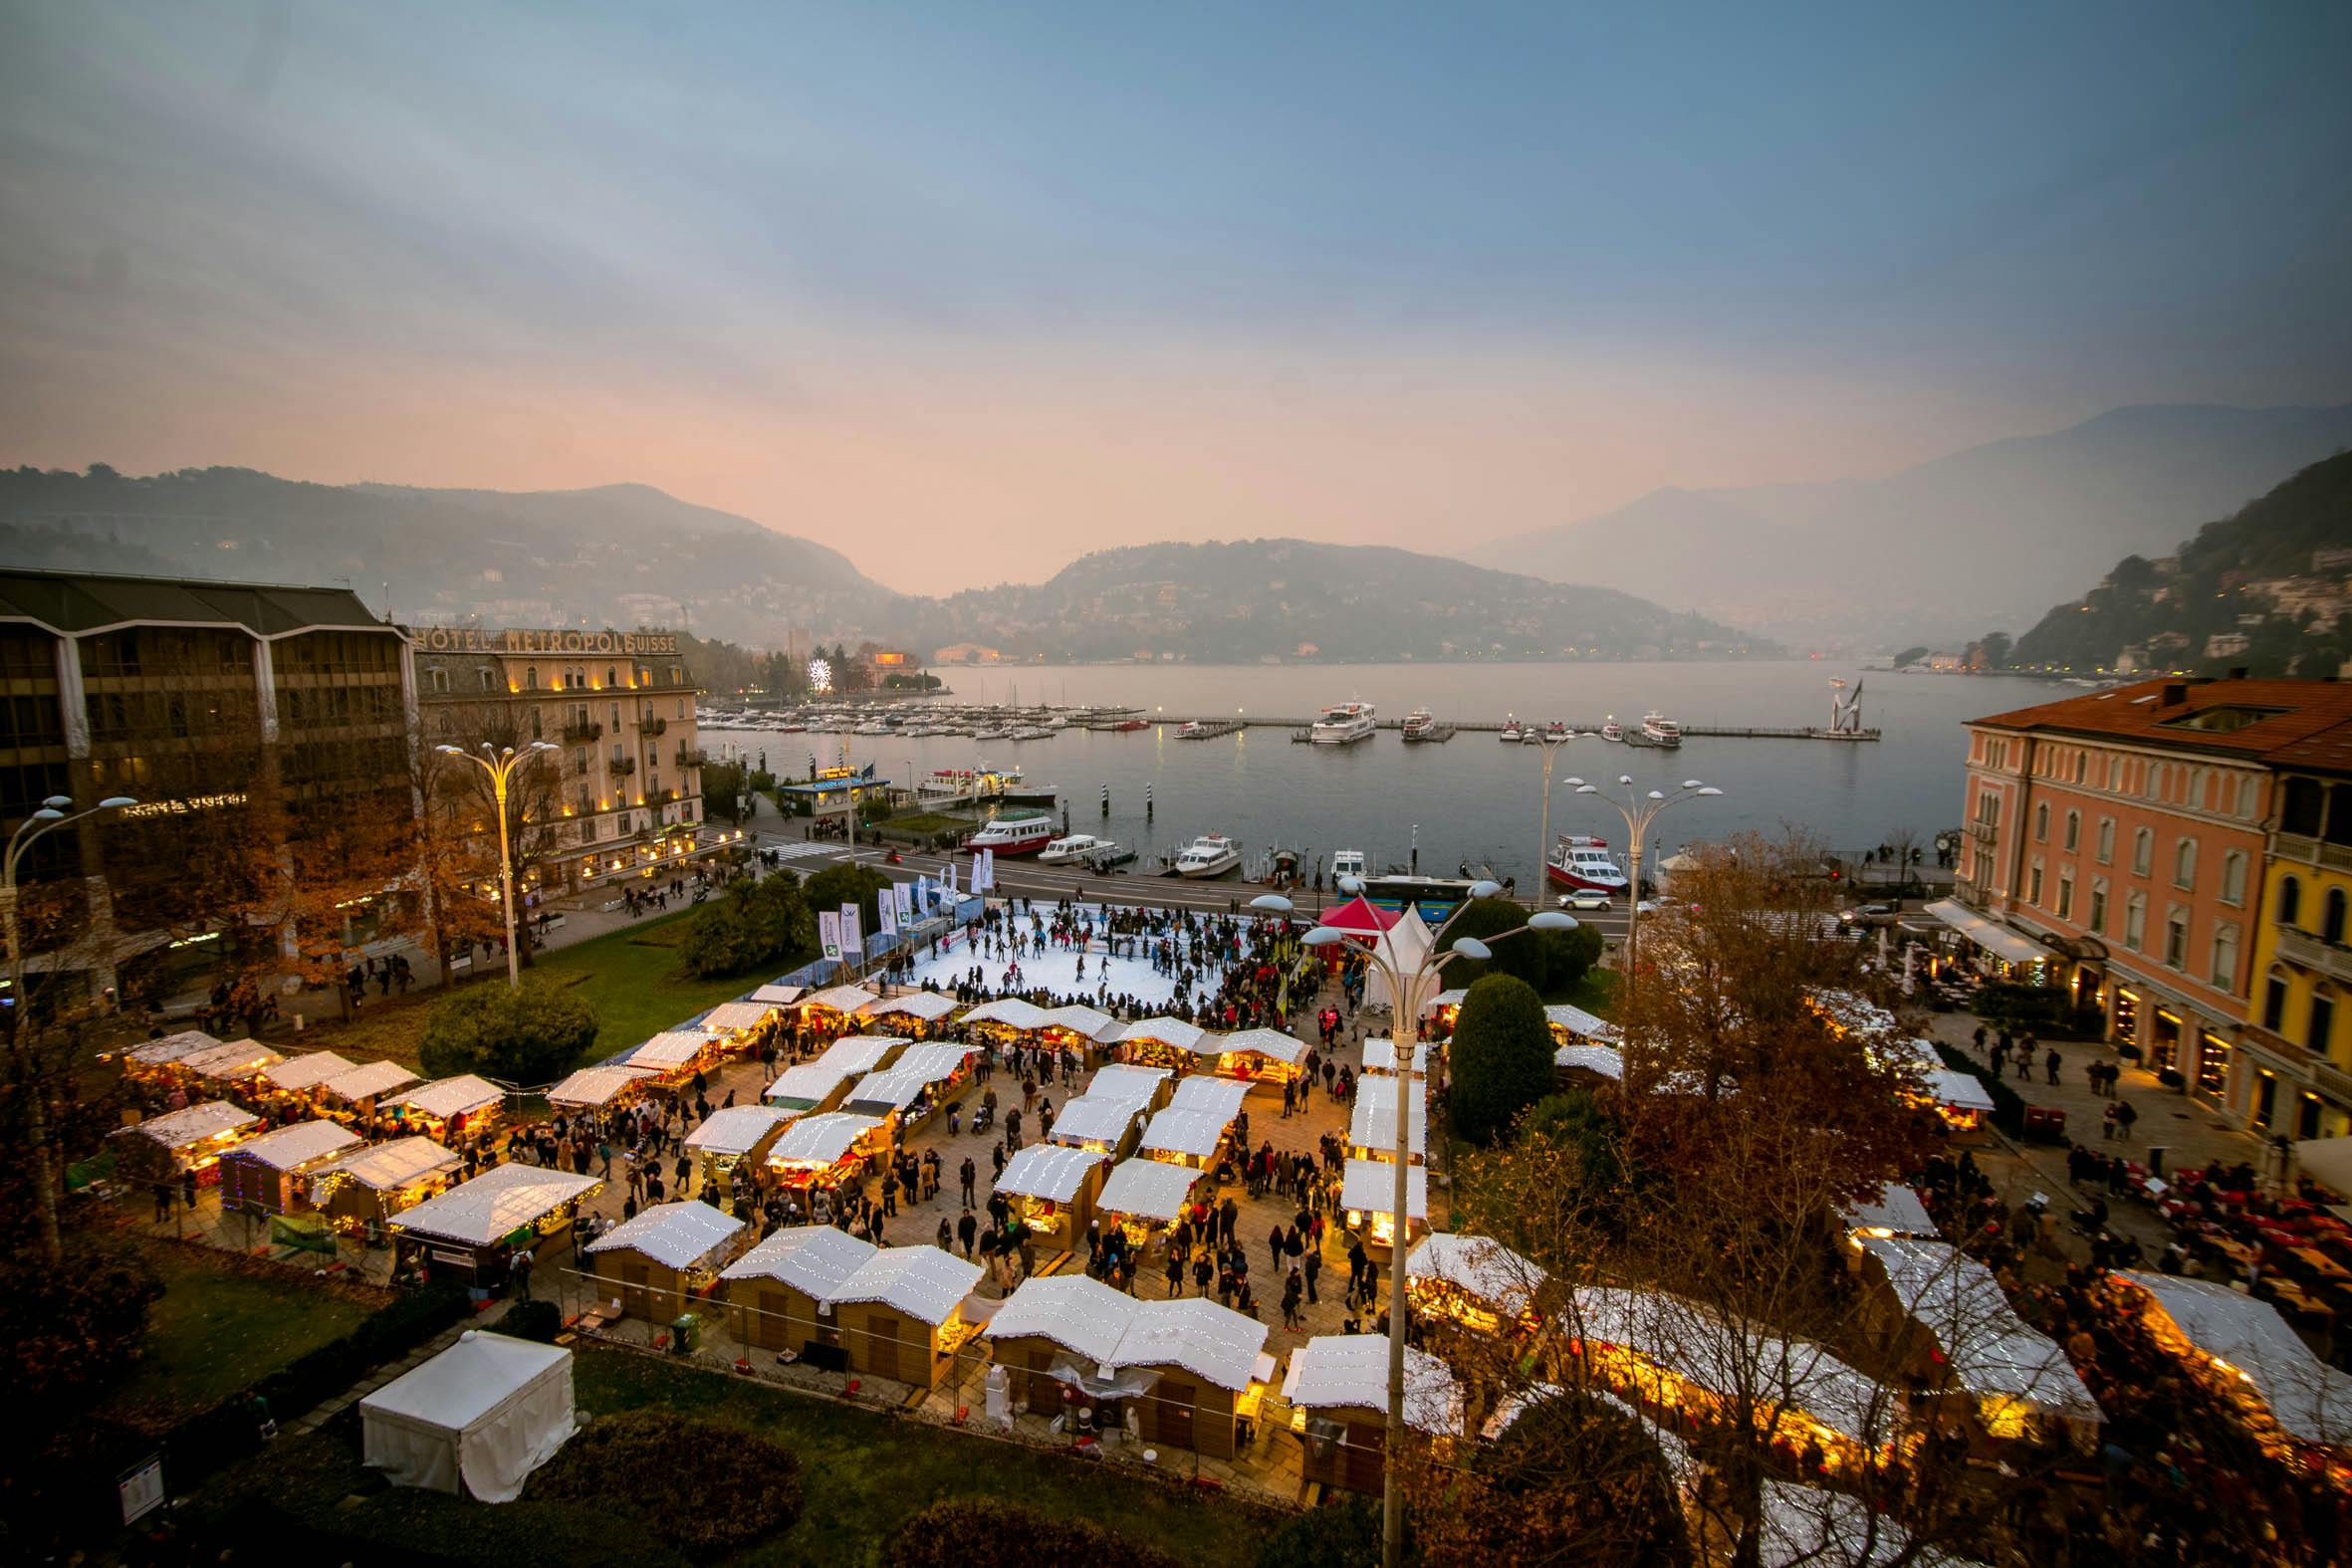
(369, 1081)
(152, 1059)
(270, 1172)
(862, 1053)
(1150, 1087)
(300, 1074)
(1161, 1042)
(901, 1313)
(1103, 1123)
(1145, 1197)
(1252, 1055)
(811, 1086)
(1574, 1026)
(1052, 1190)
(893, 1095)
(1474, 1281)
(1367, 1198)
(474, 1230)
(923, 1006)
(733, 1136)
(778, 1293)
(738, 1026)
(1371, 1126)
(2244, 1350)
(1380, 1056)
(600, 1087)
(450, 1106)
(824, 1148)
(1338, 1391)
(363, 1188)
(656, 1265)
(673, 1055)
(1964, 1334)
(474, 1421)
(1961, 1098)
(841, 1001)
(774, 995)
(1588, 1064)
(1054, 1335)
(195, 1139)
(237, 1062)
(1201, 1361)
(1222, 1099)
(1194, 1138)
(1896, 1210)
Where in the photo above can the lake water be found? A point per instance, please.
(1472, 799)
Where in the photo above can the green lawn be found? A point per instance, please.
(633, 980)
(864, 1474)
(223, 1324)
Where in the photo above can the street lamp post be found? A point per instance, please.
(1543, 820)
(501, 764)
(1640, 811)
(1412, 980)
(54, 812)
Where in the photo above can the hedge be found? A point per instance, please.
(979, 1532)
(535, 1319)
(229, 1431)
(703, 1487)
(2009, 1107)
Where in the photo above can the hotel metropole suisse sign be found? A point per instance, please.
(472, 639)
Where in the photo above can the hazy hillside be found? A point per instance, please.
(1944, 550)
(2263, 589)
(629, 555)
(622, 555)
(1258, 598)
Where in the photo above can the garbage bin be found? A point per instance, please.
(685, 1334)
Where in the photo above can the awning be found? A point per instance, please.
(1990, 935)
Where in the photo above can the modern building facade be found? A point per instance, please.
(625, 798)
(245, 719)
(2302, 1056)
(2130, 845)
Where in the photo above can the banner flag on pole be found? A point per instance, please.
(903, 895)
(828, 932)
(851, 942)
(887, 913)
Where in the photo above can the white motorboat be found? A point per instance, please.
(1417, 722)
(1349, 862)
(1013, 835)
(1210, 855)
(1612, 730)
(1511, 733)
(1661, 729)
(992, 733)
(1580, 861)
(1033, 731)
(1557, 731)
(1344, 725)
(1075, 848)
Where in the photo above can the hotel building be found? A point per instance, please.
(619, 706)
(2163, 850)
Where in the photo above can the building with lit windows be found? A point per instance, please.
(621, 708)
(2134, 845)
(247, 720)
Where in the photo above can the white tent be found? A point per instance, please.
(929, 1006)
(861, 1053)
(1897, 1211)
(1125, 1081)
(597, 1085)
(1048, 1170)
(475, 1420)
(1380, 1056)
(1094, 1118)
(2307, 1396)
(1218, 1097)
(1606, 1060)
(1152, 1189)
(729, 1017)
(1369, 1185)
(1193, 1133)
(1373, 1125)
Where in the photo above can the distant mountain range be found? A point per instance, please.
(629, 555)
(1942, 551)
(2268, 589)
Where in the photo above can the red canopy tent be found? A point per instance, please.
(1357, 916)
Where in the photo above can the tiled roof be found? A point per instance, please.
(2314, 720)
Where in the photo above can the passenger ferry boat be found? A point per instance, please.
(1662, 729)
(1210, 855)
(1075, 848)
(1612, 730)
(1580, 861)
(984, 783)
(1418, 722)
(1511, 733)
(1557, 730)
(1013, 835)
(1344, 725)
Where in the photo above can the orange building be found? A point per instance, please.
(2116, 845)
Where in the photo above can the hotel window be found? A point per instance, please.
(2234, 877)
(2041, 823)
(2073, 831)
(2274, 1001)
(531, 678)
(2323, 1020)
(2142, 851)
(2185, 863)
(440, 680)
(681, 708)
(616, 718)
(2098, 911)
(2291, 900)
(2033, 883)
(2176, 938)
(2065, 894)
(2134, 921)
(2226, 958)
(2106, 840)
(2302, 808)
(489, 677)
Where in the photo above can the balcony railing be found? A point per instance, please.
(1982, 831)
(654, 725)
(692, 757)
(2333, 1083)
(622, 767)
(582, 733)
(2300, 947)
(2315, 852)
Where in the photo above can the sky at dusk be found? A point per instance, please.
(927, 281)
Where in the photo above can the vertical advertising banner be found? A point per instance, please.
(828, 933)
(851, 945)
(887, 913)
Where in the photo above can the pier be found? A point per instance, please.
(1215, 729)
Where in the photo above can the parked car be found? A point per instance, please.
(1584, 898)
(1870, 915)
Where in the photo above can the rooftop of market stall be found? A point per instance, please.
(843, 999)
(194, 1138)
(812, 1259)
(396, 1166)
(171, 1048)
(1349, 1372)
(862, 1053)
(924, 1007)
(475, 1420)
(1156, 1190)
(1990, 1352)
(817, 1144)
(778, 996)
(297, 1147)
(445, 1099)
(1144, 1086)
(1095, 1121)
(495, 1204)
(233, 1062)
(1250, 1054)
(1479, 1267)
(1576, 1026)
(1185, 1135)
(923, 1282)
(1222, 1099)
(2247, 1340)
(1371, 1126)
(736, 1017)
(737, 1131)
(1049, 1173)
(369, 1081)
(812, 1085)
(682, 1237)
(1896, 1210)
(298, 1074)
(1380, 1056)
(1599, 1062)
(594, 1087)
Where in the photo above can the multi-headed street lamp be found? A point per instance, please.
(500, 763)
(1414, 967)
(1640, 811)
